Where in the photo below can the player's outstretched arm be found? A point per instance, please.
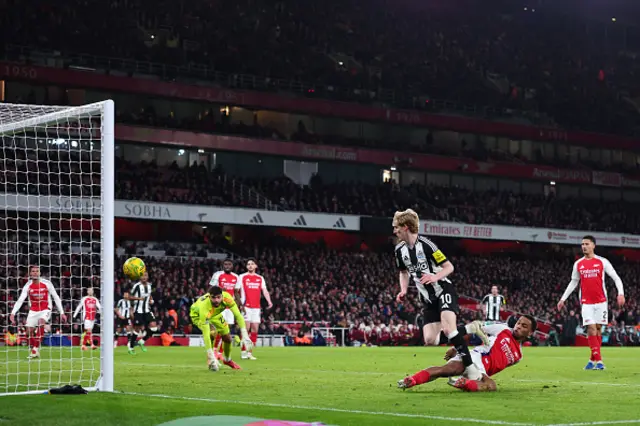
(79, 307)
(609, 270)
(244, 336)
(57, 301)
(267, 296)
(238, 316)
(404, 285)
(573, 284)
(447, 269)
(19, 302)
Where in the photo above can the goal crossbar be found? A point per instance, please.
(52, 117)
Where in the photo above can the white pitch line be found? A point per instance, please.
(381, 373)
(330, 409)
(605, 422)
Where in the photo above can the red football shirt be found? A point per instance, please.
(252, 285)
(503, 350)
(591, 275)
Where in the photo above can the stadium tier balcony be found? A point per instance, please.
(496, 55)
(196, 185)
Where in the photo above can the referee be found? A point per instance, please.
(493, 304)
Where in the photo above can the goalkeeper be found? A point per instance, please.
(206, 314)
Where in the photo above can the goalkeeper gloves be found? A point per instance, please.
(248, 344)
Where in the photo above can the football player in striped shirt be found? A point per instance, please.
(493, 303)
(422, 263)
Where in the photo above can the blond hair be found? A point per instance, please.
(408, 218)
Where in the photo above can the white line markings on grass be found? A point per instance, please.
(381, 373)
(335, 410)
(604, 422)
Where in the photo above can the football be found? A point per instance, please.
(134, 268)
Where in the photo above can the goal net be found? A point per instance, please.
(56, 213)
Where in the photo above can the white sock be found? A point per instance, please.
(451, 335)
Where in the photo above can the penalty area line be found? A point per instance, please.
(329, 409)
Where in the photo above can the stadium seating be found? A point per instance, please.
(342, 288)
(196, 185)
(497, 56)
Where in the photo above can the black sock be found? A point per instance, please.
(461, 347)
(132, 340)
(445, 340)
(147, 334)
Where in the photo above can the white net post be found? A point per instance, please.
(57, 213)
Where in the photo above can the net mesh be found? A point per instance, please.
(50, 183)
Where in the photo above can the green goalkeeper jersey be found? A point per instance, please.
(203, 314)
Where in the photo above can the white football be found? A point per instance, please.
(214, 366)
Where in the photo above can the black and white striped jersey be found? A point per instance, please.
(143, 291)
(424, 258)
(492, 306)
(124, 307)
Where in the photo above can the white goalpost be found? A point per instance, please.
(57, 213)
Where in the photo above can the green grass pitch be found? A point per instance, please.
(336, 386)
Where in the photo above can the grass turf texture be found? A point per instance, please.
(338, 386)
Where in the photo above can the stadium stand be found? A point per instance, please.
(312, 284)
(492, 65)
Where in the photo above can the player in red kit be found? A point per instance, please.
(229, 282)
(90, 306)
(253, 287)
(40, 293)
(503, 351)
(589, 271)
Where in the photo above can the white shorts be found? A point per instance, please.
(34, 317)
(228, 317)
(252, 315)
(476, 357)
(88, 324)
(597, 313)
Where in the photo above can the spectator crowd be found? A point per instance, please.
(570, 70)
(311, 284)
(196, 185)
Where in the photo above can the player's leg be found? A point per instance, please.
(142, 331)
(222, 329)
(589, 321)
(33, 351)
(252, 317)
(116, 333)
(150, 328)
(448, 306)
(450, 369)
(84, 340)
(138, 326)
(255, 327)
(89, 328)
(485, 384)
(131, 340)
